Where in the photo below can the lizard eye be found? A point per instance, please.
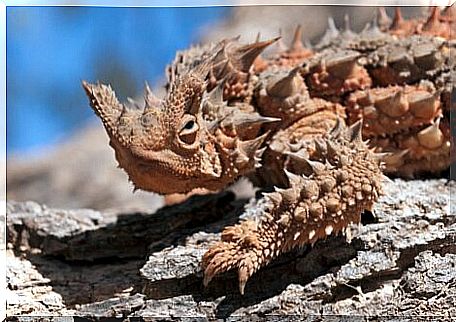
(189, 130)
(189, 125)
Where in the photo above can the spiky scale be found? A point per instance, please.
(287, 86)
(380, 107)
(382, 19)
(299, 203)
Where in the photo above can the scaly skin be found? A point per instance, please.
(229, 112)
(329, 195)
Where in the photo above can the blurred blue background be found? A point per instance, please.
(51, 49)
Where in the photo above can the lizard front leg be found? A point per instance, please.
(342, 180)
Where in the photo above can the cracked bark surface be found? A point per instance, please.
(400, 262)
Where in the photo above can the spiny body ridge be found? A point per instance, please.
(319, 124)
(323, 197)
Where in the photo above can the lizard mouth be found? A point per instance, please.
(158, 177)
(146, 174)
(163, 172)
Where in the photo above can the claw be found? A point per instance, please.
(215, 261)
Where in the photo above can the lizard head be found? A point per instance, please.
(164, 145)
(192, 138)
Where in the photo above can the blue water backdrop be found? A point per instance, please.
(51, 49)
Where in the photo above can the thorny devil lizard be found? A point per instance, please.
(319, 125)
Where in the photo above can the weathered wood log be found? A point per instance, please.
(400, 262)
(88, 235)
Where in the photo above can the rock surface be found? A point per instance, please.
(400, 262)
